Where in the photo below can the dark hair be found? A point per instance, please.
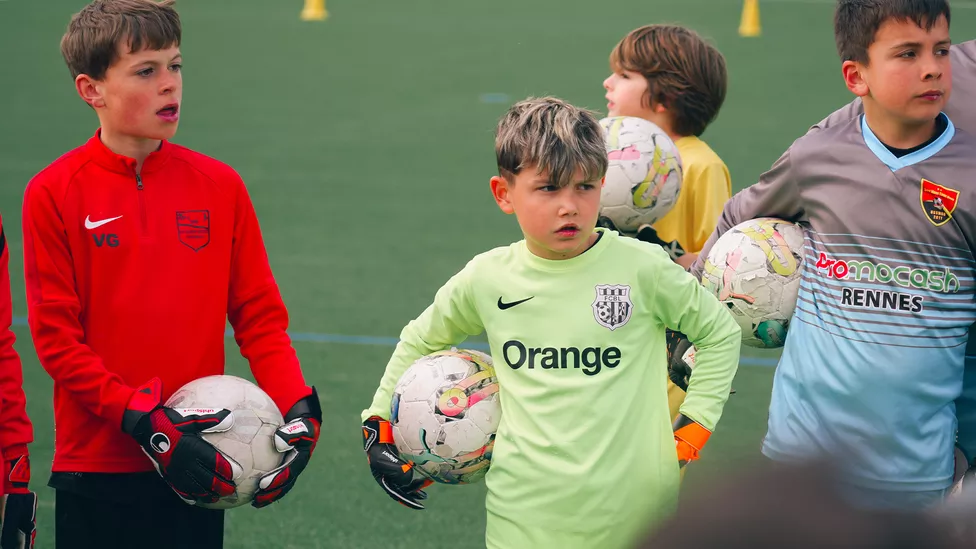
(856, 22)
(91, 43)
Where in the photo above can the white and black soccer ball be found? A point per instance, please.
(755, 270)
(444, 415)
(250, 442)
(643, 176)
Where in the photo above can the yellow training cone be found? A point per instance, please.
(314, 11)
(750, 19)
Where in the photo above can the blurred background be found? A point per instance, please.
(366, 143)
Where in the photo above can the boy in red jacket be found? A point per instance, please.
(136, 252)
(19, 504)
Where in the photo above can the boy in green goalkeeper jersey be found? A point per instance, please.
(585, 453)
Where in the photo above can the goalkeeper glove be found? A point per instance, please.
(681, 358)
(689, 438)
(647, 234)
(192, 467)
(297, 437)
(394, 475)
(19, 527)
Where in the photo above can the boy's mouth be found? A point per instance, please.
(169, 113)
(568, 230)
(932, 95)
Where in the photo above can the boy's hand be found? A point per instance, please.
(647, 234)
(689, 438)
(681, 358)
(192, 467)
(19, 527)
(297, 437)
(394, 475)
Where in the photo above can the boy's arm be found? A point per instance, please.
(16, 431)
(54, 311)
(258, 314)
(775, 195)
(449, 320)
(687, 307)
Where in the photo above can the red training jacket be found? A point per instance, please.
(16, 431)
(134, 276)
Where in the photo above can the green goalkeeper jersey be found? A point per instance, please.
(585, 441)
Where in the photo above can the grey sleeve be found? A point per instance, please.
(775, 195)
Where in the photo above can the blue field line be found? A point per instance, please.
(392, 341)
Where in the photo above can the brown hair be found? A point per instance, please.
(551, 135)
(856, 22)
(91, 43)
(684, 73)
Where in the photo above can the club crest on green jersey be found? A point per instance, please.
(612, 307)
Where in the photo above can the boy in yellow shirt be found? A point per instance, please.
(670, 76)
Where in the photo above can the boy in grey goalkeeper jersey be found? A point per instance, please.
(874, 359)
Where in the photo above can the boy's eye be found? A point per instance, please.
(145, 72)
(548, 188)
(943, 51)
(176, 67)
(907, 54)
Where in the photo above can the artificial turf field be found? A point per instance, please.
(366, 143)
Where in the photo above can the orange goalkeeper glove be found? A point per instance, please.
(689, 438)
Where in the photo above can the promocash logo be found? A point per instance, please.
(936, 280)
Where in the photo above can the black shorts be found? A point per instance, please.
(124, 511)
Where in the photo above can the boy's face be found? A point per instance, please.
(909, 75)
(558, 222)
(626, 91)
(625, 94)
(140, 94)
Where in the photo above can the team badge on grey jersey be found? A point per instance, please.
(612, 307)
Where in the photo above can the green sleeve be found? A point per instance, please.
(686, 306)
(448, 321)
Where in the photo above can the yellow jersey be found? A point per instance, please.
(705, 187)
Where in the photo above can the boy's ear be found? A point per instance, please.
(500, 189)
(89, 90)
(854, 78)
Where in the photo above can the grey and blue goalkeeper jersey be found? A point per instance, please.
(961, 108)
(874, 357)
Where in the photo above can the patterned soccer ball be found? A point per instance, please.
(643, 176)
(755, 270)
(250, 442)
(444, 415)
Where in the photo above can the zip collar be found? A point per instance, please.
(118, 163)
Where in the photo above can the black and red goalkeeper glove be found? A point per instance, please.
(394, 475)
(297, 437)
(192, 467)
(19, 527)
(689, 438)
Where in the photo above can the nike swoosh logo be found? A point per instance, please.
(89, 224)
(504, 306)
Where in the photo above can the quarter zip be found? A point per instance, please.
(144, 224)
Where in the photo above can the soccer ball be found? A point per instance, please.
(250, 442)
(755, 270)
(643, 176)
(444, 415)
